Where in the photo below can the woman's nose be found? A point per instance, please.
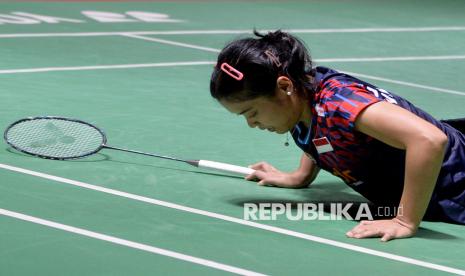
(252, 123)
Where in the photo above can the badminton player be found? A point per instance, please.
(378, 143)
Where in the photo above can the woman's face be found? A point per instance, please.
(276, 114)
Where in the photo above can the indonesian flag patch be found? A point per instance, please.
(322, 145)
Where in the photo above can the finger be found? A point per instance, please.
(357, 233)
(364, 231)
(251, 176)
(368, 233)
(358, 228)
(369, 224)
(260, 174)
(263, 166)
(267, 180)
(256, 175)
(387, 237)
(351, 233)
(258, 166)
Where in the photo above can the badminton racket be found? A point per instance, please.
(61, 138)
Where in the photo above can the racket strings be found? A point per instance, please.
(55, 138)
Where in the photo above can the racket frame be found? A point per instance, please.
(102, 133)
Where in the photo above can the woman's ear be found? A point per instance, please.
(285, 84)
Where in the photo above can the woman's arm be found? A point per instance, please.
(270, 176)
(425, 146)
(307, 171)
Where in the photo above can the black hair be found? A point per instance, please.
(261, 60)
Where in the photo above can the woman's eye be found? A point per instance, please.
(253, 114)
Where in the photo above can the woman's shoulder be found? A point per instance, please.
(328, 83)
(341, 94)
(327, 78)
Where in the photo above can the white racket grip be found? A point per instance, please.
(225, 167)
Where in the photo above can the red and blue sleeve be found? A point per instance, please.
(344, 101)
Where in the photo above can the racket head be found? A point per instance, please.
(53, 137)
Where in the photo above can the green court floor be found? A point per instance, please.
(144, 80)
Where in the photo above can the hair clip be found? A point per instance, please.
(228, 69)
(273, 58)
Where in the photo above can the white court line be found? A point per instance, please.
(127, 243)
(360, 59)
(237, 220)
(370, 59)
(101, 67)
(170, 42)
(381, 59)
(431, 88)
(193, 63)
(380, 30)
(248, 31)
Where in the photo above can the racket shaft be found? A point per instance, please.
(198, 163)
(225, 167)
(146, 154)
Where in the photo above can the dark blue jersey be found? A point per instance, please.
(369, 166)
